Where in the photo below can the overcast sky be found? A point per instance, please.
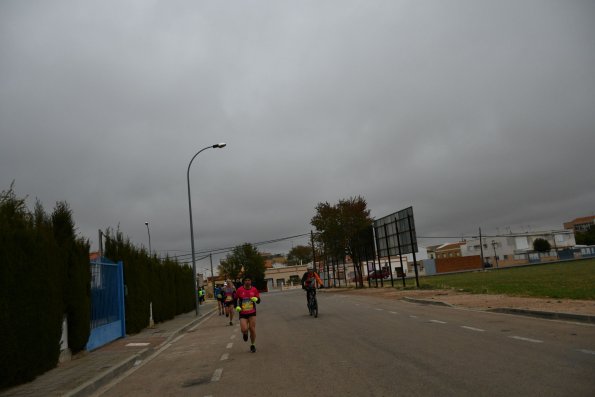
(476, 113)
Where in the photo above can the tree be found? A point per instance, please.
(299, 254)
(541, 245)
(344, 228)
(587, 237)
(245, 260)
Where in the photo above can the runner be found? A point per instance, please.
(229, 297)
(219, 298)
(247, 297)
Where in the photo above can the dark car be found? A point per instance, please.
(378, 274)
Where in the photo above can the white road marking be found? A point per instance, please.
(438, 321)
(380, 310)
(217, 375)
(233, 337)
(413, 316)
(586, 351)
(224, 357)
(393, 313)
(526, 339)
(138, 344)
(473, 328)
(229, 345)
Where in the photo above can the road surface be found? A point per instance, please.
(367, 346)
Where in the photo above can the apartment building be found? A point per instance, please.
(580, 224)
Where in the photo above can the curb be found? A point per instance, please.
(522, 312)
(426, 302)
(548, 315)
(110, 374)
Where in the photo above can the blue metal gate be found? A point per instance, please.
(108, 321)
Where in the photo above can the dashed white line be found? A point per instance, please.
(379, 310)
(229, 345)
(526, 339)
(413, 316)
(224, 357)
(438, 321)
(217, 375)
(473, 328)
(586, 351)
(393, 313)
(233, 336)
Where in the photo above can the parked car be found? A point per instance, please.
(378, 274)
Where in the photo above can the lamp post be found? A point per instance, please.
(215, 146)
(149, 232)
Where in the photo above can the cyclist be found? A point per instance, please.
(229, 297)
(309, 281)
(247, 297)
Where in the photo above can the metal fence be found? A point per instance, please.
(107, 303)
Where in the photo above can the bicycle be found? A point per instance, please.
(312, 302)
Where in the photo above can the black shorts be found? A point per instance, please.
(228, 304)
(247, 316)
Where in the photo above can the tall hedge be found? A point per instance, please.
(42, 278)
(148, 279)
(31, 306)
(74, 253)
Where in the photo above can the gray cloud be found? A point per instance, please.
(476, 113)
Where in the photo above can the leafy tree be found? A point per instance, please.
(246, 258)
(344, 228)
(299, 254)
(586, 238)
(541, 245)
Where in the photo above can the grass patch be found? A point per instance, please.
(568, 280)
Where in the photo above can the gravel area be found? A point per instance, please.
(481, 301)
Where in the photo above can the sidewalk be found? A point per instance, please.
(84, 375)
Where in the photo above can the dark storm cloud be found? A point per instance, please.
(476, 113)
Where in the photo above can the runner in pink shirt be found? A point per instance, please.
(247, 298)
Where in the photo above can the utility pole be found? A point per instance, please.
(481, 248)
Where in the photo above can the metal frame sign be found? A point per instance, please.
(398, 237)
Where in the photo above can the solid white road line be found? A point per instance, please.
(586, 351)
(224, 357)
(526, 339)
(229, 345)
(473, 328)
(217, 375)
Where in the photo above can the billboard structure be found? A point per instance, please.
(395, 235)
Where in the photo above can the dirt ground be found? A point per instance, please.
(482, 301)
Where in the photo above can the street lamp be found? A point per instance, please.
(215, 146)
(149, 232)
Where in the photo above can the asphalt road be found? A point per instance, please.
(366, 346)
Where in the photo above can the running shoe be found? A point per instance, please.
(253, 348)
(245, 336)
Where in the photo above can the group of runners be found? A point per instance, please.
(243, 300)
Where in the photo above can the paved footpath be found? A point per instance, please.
(84, 375)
